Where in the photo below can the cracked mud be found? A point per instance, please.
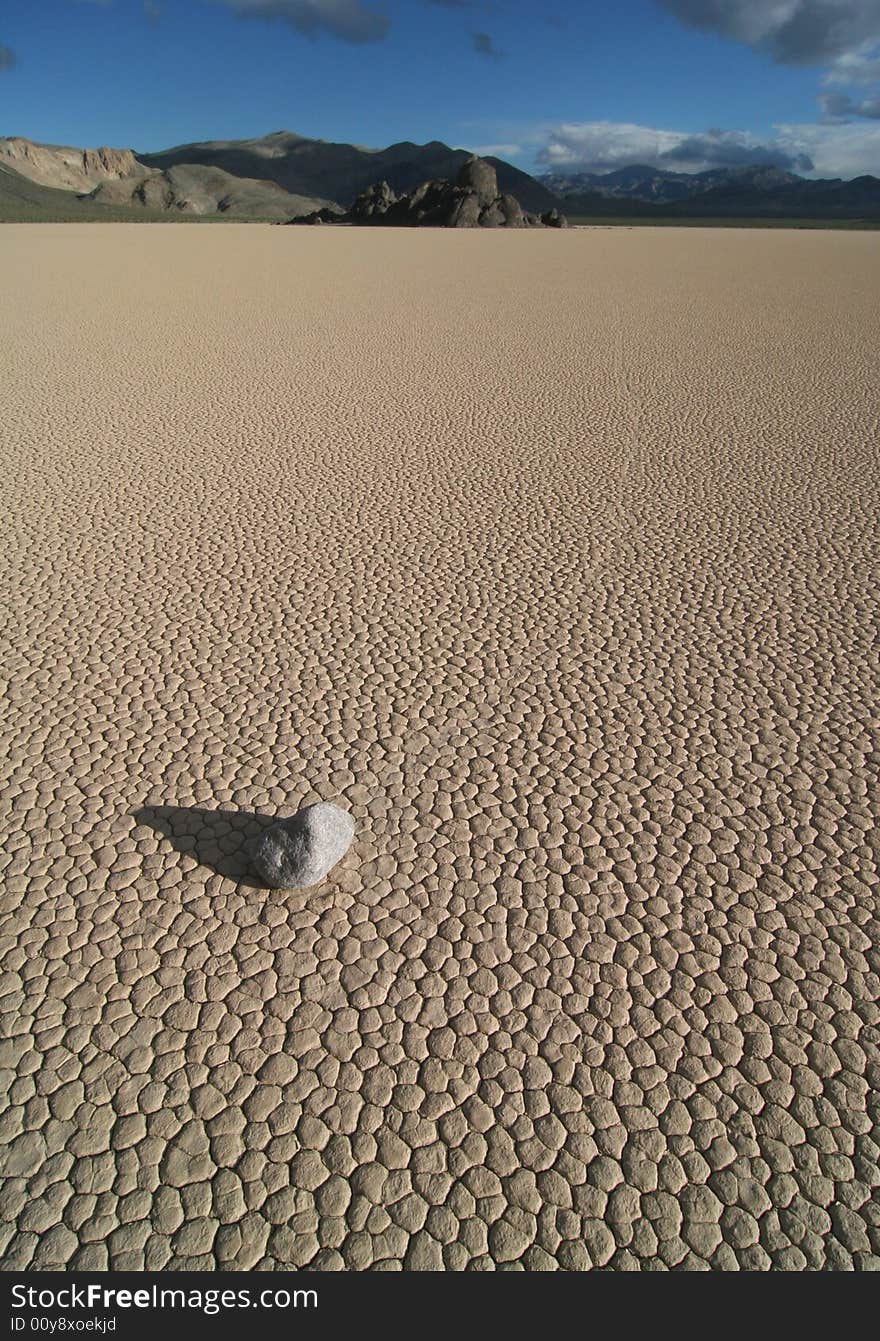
(552, 558)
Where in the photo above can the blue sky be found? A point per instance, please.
(549, 84)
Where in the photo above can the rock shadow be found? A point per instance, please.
(217, 839)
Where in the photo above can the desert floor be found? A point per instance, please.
(553, 557)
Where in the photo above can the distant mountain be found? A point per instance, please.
(340, 172)
(754, 191)
(657, 186)
(800, 198)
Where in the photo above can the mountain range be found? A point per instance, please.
(282, 175)
(752, 191)
(658, 186)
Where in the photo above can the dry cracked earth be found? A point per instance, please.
(551, 557)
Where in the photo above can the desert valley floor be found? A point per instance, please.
(553, 557)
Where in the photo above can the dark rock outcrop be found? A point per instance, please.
(321, 216)
(553, 219)
(479, 177)
(512, 211)
(372, 204)
(472, 201)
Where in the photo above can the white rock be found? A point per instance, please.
(300, 851)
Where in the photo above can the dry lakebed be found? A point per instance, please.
(552, 558)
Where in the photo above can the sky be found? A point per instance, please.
(551, 85)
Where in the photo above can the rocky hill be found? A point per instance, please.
(472, 201)
(65, 167)
(340, 172)
(77, 180)
(192, 189)
(26, 201)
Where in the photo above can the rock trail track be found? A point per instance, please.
(553, 558)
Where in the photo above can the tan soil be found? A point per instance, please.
(553, 558)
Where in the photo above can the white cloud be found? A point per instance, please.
(848, 150)
(820, 149)
(859, 66)
(601, 146)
